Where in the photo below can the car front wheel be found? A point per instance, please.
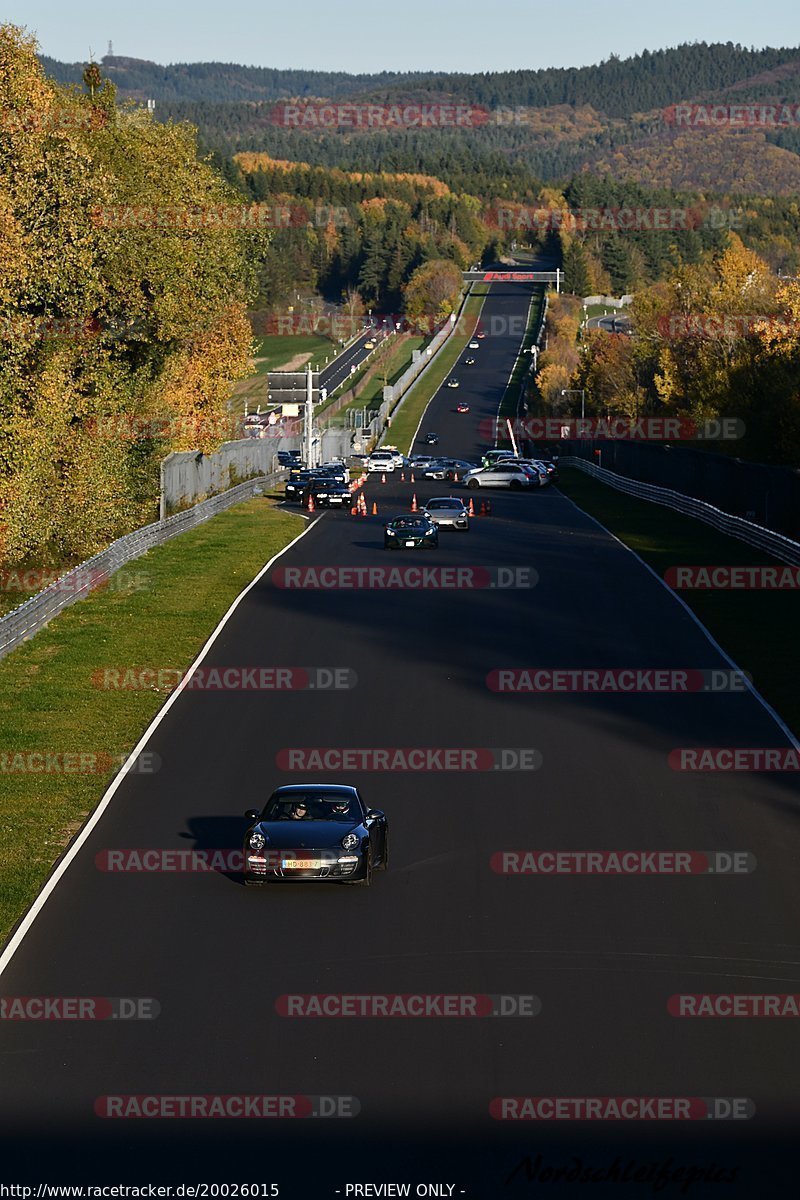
(473, 483)
(367, 880)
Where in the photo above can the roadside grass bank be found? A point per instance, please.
(758, 629)
(53, 702)
(384, 373)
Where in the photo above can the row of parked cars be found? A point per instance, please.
(327, 485)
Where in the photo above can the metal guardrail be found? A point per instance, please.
(33, 614)
(776, 544)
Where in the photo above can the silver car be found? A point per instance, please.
(447, 512)
(508, 475)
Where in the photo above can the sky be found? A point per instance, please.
(399, 35)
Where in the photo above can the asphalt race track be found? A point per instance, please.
(603, 954)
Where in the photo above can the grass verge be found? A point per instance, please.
(758, 629)
(387, 371)
(418, 397)
(50, 703)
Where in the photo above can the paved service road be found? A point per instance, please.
(602, 954)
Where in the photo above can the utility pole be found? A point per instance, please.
(309, 415)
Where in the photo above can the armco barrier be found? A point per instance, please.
(31, 616)
(776, 544)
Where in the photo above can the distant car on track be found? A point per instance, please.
(431, 439)
(462, 407)
(452, 382)
(315, 831)
(469, 362)
(473, 345)
(415, 531)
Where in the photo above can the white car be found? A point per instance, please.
(510, 475)
(474, 345)
(399, 459)
(380, 460)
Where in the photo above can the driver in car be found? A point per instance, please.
(299, 812)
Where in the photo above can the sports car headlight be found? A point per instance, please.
(391, 533)
(430, 533)
(349, 841)
(257, 841)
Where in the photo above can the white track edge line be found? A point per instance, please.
(784, 728)
(61, 867)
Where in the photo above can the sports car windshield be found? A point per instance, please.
(434, 505)
(311, 808)
(408, 523)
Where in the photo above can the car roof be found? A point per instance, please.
(292, 789)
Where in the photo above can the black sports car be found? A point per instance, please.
(327, 494)
(412, 532)
(313, 831)
(298, 482)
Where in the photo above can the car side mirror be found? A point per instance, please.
(373, 814)
(252, 814)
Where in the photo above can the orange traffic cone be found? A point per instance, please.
(455, 477)
(310, 504)
(374, 509)
(402, 477)
(363, 507)
(414, 502)
(483, 508)
(383, 479)
(471, 509)
(412, 477)
(354, 511)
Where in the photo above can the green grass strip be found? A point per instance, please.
(758, 629)
(156, 612)
(404, 424)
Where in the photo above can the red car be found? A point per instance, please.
(462, 407)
